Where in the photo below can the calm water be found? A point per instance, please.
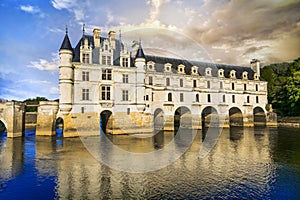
(245, 164)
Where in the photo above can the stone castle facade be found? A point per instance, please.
(104, 85)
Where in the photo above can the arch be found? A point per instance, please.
(158, 119)
(182, 118)
(3, 127)
(59, 127)
(259, 116)
(105, 121)
(235, 117)
(209, 117)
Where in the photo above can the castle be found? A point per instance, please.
(103, 84)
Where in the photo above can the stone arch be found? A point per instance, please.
(259, 116)
(158, 119)
(105, 121)
(3, 126)
(209, 117)
(59, 126)
(235, 117)
(182, 118)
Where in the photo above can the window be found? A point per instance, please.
(128, 111)
(103, 60)
(248, 99)
(105, 92)
(181, 82)
(82, 109)
(167, 81)
(152, 96)
(106, 47)
(224, 98)
(125, 78)
(197, 97)
(181, 97)
(245, 87)
(208, 98)
(125, 95)
(194, 83)
(85, 76)
(106, 60)
(232, 86)
(256, 87)
(85, 94)
(208, 84)
(170, 97)
(125, 62)
(85, 58)
(233, 99)
(147, 97)
(221, 85)
(106, 74)
(257, 99)
(150, 80)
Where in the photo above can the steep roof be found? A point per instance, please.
(161, 61)
(66, 44)
(140, 52)
(95, 51)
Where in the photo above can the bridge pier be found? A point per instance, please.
(46, 118)
(12, 114)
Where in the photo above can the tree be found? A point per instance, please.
(34, 101)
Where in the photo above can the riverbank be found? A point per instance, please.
(289, 122)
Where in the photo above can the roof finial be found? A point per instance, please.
(66, 29)
(83, 29)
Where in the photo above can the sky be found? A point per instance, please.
(224, 31)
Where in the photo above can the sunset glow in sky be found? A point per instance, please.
(230, 31)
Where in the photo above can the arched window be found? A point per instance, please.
(170, 97)
(197, 97)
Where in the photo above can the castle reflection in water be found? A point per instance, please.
(241, 157)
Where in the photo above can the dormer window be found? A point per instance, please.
(168, 67)
(150, 65)
(86, 58)
(256, 76)
(208, 71)
(195, 70)
(245, 75)
(181, 69)
(221, 72)
(232, 74)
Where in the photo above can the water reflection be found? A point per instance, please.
(241, 165)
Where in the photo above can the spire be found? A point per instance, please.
(83, 29)
(140, 52)
(66, 44)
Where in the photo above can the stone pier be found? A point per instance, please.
(46, 118)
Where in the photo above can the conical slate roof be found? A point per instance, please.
(140, 53)
(66, 43)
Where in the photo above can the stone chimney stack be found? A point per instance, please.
(96, 32)
(112, 39)
(255, 66)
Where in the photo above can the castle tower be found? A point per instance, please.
(140, 64)
(66, 76)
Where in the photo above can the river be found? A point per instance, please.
(249, 163)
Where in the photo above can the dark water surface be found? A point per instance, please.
(245, 164)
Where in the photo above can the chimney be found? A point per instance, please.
(96, 32)
(112, 39)
(255, 66)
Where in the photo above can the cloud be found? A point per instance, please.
(72, 6)
(46, 65)
(32, 10)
